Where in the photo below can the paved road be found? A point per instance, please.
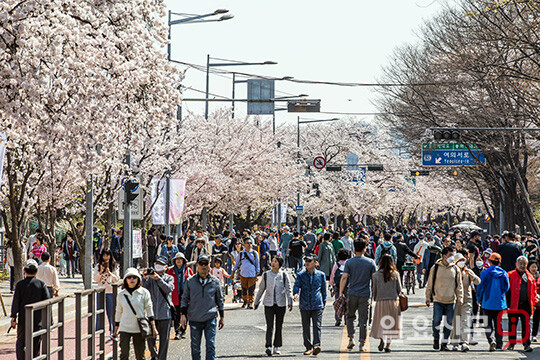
(244, 333)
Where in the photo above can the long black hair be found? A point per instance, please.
(112, 262)
(388, 268)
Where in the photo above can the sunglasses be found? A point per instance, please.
(132, 277)
(203, 263)
(308, 260)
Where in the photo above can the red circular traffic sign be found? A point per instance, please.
(319, 162)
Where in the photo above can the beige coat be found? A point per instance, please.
(448, 285)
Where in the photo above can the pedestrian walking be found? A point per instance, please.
(310, 284)
(198, 250)
(169, 251)
(151, 240)
(358, 273)
(296, 251)
(247, 264)
(48, 274)
(462, 313)
(283, 244)
(106, 274)
(326, 256)
(509, 251)
(276, 287)
(311, 241)
(160, 285)
(272, 243)
(335, 277)
(523, 298)
(336, 243)
(386, 248)
(11, 263)
(386, 288)
(133, 302)
(38, 249)
(116, 246)
(445, 289)
(420, 250)
(532, 266)
(264, 252)
(219, 272)
(28, 291)
(201, 303)
(491, 296)
(70, 254)
(180, 272)
(402, 251)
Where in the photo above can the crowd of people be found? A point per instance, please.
(464, 275)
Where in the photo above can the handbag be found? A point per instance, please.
(340, 306)
(144, 323)
(403, 302)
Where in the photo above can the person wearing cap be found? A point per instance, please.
(219, 247)
(133, 295)
(522, 297)
(462, 313)
(247, 263)
(180, 272)
(28, 291)
(491, 296)
(310, 286)
(169, 251)
(201, 303)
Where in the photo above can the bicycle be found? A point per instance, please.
(409, 278)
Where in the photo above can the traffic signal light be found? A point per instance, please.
(130, 188)
(419, 172)
(446, 134)
(454, 173)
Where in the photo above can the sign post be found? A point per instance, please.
(319, 162)
(451, 154)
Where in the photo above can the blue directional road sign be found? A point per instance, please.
(452, 157)
(299, 208)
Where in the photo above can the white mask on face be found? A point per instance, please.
(159, 267)
(461, 264)
(450, 259)
(479, 264)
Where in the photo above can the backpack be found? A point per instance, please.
(338, 275)
(385, 250)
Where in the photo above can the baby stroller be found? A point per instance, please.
(237, 288)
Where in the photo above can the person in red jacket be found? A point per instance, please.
(521, 296)
(180, 272)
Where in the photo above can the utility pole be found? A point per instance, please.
(128, 232)
(89, 234)
(167, 205)
(298, 193)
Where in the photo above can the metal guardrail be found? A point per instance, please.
(45, 307)
(91, 315)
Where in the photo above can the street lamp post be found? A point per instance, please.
(231, 63)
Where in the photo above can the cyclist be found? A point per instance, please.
(402, 251)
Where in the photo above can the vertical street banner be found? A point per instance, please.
(283, 212)
(158, 201)
(176, 200)
(137, 243)
(3, 139)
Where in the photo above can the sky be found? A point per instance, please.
(342, 41)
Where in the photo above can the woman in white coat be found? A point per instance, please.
(276, 286)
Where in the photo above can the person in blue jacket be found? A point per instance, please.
(387, 247)
(491, 296)
(311, 285)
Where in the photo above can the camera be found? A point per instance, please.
(150, 271)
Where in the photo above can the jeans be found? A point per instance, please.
(108, 311)
(70, 264)
(525, 322)
(271, 313)
(360, 304)
(309, 317)
(440, 309)
(295, 263)
(209, 328)
(492, 317)
(164, 328)
(419, 275)
(138, 345)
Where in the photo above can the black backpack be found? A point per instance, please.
(385, 250)
(338, 275)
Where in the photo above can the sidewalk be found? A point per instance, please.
(68, 287)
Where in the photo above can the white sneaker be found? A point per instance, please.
(534, 339)
(276, 351)
(269, 351)
(464, 347)
(455, 348)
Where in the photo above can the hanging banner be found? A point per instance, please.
(176, 201)
(3, 139)
(158, 201)
(137, 243)
(283, 213)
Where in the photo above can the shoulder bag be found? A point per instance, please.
(403, 302)
(144, 323)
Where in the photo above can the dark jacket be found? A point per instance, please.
(312, 289)
(29, 290)
(402, 251)
(509, 252)
(202, 302)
